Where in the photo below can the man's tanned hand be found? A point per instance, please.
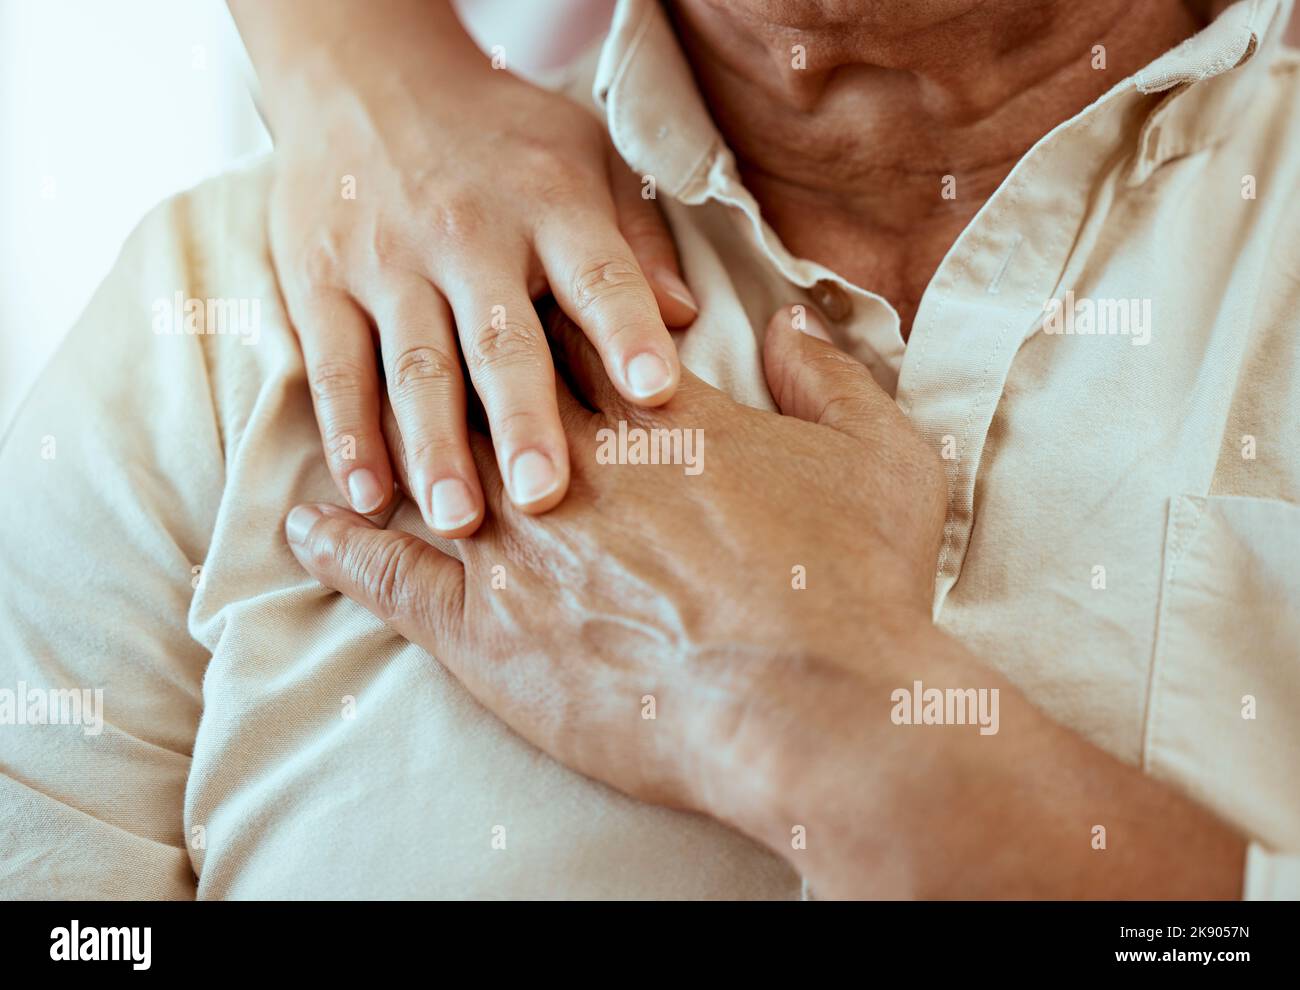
(653, 591)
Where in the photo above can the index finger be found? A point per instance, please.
(597, 281)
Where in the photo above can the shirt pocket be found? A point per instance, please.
(1223, 710)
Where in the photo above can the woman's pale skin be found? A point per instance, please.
(424, 198)
(773, 703)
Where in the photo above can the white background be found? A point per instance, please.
(109, 106)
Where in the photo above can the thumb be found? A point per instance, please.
(811, 379)
(413, 587)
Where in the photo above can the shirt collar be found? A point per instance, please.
(1211, 79)
(656, 116)
(661, 126)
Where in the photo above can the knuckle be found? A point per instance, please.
(428, 447)
(837, 365)
(422, 367)
(506, 342)
(390, 246)
(337, 387)
(558, 183)
(321, 261)
(536, 155)
(801, 378)
(554, 170)
(459, 217)
(648, 419)
(335, 379)
(845, 408)
(385, 571)
(519, 425)
(323, 555)
(341, 441)
(542, 160)
(597, 281)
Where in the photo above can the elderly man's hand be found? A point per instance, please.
(731, 642)
(639, 631)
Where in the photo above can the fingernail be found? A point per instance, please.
(648, 374)
(806, 319)
(452, 505)
(300, 522)
(532, 477)
(364, 490)
(676, 288)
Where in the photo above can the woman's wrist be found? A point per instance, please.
(331, 59)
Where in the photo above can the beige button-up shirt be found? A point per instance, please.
(1107, 359)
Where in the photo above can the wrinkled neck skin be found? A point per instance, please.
(847, 155)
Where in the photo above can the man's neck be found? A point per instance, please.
(848, 153)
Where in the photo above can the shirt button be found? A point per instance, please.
(831, 300)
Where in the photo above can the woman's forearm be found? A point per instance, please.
(309, 53)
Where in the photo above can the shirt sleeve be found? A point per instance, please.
(113, 471)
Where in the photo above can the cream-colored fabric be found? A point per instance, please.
(1123, 529)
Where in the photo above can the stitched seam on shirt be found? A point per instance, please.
(1012, 196)
(983, 397)
(950, 519)
(1011, 200)
(1178, 539)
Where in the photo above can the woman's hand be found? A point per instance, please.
(425, 196)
